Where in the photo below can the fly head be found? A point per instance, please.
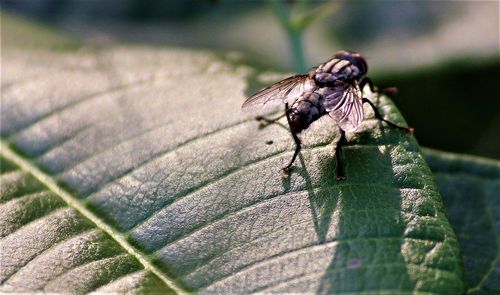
(356, 59)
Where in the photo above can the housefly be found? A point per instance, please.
(333, 88)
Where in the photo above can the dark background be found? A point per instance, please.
(442, 55)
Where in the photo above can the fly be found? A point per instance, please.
(333, 88)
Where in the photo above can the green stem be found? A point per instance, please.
(294, 33)
(295, 39)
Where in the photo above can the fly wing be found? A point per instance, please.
(344, 104)
(287, 90)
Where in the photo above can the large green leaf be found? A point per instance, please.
(48, 245)
(149, 144)
(470, 188)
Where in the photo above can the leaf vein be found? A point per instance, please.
(163, 153)
(343, 269)
(66, 237)
(263, 201)
(327, 244)
(75, 103)
(75, 203)
(230, 172)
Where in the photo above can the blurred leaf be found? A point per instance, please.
(21, 33)
(150, 144)
(470, 187)
(468, 115)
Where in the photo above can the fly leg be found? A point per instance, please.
(367, 81)
(298, 143)
(338, 154)
(379, 116)
(269, 120)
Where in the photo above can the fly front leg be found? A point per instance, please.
(379, 116)
(367, 81)
(338, 154)
(298, 143)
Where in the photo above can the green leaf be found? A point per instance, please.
(149, 144)
(48, 245)
(470, 187)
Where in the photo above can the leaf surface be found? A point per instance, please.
(150, 143)
(48, 246)
(470, 187)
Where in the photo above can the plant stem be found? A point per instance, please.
(294, 33)
(295, 39)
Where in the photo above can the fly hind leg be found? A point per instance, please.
(298, 146)
(338, 154)
(269, 120)
(379, 116)
(298, 143)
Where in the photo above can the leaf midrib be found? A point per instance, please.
(73, 202)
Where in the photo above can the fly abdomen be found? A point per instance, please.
(305, 111)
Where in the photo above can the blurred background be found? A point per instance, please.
(444, 56)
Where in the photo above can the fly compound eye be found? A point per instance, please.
(362, 64)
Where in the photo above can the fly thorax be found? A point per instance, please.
(336, 69)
